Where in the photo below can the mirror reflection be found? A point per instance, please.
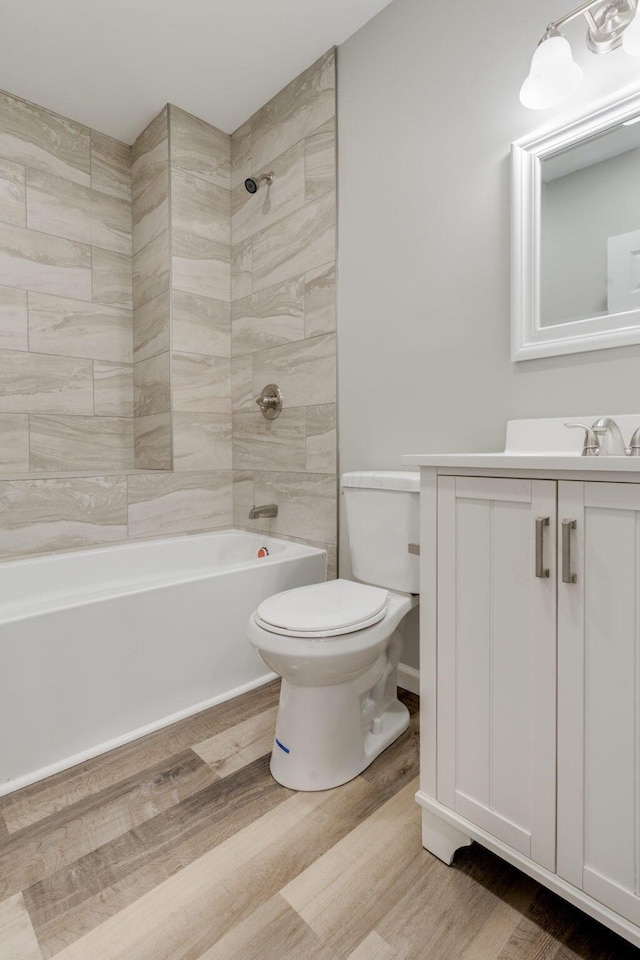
(590, 228)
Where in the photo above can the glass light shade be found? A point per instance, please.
(554, 75)
(631, 37)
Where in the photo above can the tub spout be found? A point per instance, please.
(263, 512)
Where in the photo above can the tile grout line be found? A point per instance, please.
(56, 236)
(262, 230)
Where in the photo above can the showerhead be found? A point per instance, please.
(253, 184)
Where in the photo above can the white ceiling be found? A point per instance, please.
(113, 64)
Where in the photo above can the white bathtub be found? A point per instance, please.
(102, 646)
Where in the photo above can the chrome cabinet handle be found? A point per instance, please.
(567, 527)
(541, 571)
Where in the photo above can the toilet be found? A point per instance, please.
(337, 644)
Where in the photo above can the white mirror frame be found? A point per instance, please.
(529, 339)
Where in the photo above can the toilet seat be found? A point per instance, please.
(323, 610)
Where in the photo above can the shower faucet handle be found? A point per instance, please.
(270, 401)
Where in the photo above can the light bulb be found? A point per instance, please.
(554, 75)
(631, 38)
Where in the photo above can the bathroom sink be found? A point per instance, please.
(543, 444)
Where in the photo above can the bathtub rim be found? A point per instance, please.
(55, 601)
(99, 548)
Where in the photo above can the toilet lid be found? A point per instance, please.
(323, 609)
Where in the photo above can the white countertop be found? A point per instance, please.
(540, 445)
(524, 461)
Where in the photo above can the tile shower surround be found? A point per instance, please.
(66, 352)
(283, 318)
(200, 295)
(151, 297)
(274, 252)
(181, 294)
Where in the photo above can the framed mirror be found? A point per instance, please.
(575, 268)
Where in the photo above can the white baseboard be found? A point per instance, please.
(409, 678)
(68, 762)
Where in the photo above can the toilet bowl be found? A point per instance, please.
(337, 645)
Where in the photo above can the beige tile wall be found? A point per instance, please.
(42, 516)
(66, 348)
(195, 237)
(151, 296)
(92, 308)
(283, 310)
(200, 163)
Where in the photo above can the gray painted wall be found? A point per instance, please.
(428, 106)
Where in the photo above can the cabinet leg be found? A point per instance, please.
(440, 839)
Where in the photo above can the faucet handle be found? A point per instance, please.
(633, 450)
(591, 446)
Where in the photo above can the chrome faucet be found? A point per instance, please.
(265, 511)
(604, 438)
(610, 439)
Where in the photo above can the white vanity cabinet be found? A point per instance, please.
(530, 669)
(496, 684)
(599, 696)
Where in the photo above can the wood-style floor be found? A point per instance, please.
(181, 847)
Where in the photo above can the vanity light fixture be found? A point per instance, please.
(631, 38)
(554, 74)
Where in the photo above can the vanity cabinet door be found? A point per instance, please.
(599, 695)
(497, 658)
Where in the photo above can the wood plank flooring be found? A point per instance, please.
(181, 846)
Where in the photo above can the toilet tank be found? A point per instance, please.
(383, 518)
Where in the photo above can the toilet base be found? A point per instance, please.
(317, 749)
